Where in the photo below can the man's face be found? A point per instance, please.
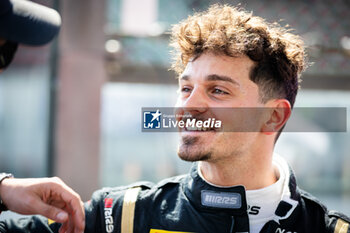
(209, 82)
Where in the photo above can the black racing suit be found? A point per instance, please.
(188, 204)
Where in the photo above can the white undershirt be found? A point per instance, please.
(266, 198)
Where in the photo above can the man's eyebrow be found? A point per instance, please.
(184, 77)
(215, 77)
(212, 77)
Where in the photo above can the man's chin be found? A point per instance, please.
(192, 155)
(191, 149)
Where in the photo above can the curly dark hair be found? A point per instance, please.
(278, 54)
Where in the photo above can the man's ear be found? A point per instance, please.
(279, 111)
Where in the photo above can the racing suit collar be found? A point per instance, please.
(204, 196)
(290, 195)
(194, 186)
(289, 207)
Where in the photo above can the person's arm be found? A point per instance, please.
(94, 212)
(49, 197)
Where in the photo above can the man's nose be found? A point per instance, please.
(196, 102)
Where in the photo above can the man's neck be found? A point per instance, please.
(253, 172)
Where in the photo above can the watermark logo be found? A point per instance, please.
(152, 119)
(170, 120)
(211, 120)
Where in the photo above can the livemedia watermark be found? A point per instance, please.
(169, 119)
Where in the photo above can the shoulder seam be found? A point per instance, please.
(333, 213)
(171, 180)
(313, 199)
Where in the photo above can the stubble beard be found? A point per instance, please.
(191, 151)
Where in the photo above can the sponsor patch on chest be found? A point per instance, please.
(163, 231)
(221, 199)
(108, 214)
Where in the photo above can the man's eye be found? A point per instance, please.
(185, 89)
(219, 91)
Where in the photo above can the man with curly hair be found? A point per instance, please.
(224, 58)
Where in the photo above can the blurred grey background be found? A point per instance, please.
(72, 109)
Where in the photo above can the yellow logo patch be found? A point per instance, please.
(163, 231)
(50, 221)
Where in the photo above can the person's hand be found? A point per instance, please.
(49, 197)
